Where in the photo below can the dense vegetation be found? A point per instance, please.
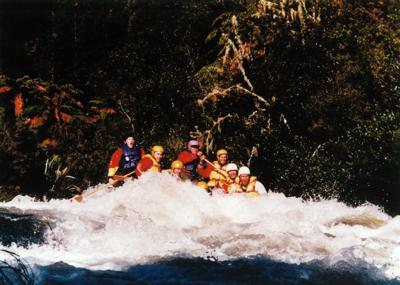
(306, 93)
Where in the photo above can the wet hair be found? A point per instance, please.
(124, 138)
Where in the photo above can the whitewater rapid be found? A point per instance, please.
(157, 216)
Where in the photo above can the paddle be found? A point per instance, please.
(123, 177)
(223, 173)
(215, 168)
(80, 197)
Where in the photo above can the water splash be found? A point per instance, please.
(155, 217)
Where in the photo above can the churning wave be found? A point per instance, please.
(159, 230)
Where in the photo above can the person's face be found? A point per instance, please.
(194, 149)
(223, 159)
(176, 171)
(158, 156)
(232, 174)
(130, 142)
(244, 179)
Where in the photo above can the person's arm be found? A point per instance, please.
(144, 164)
(205, 167)
(203, 163)
(114, 162)
(186, 157)
(259, 187)
(137, 155)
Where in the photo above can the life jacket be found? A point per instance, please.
(239, 188)
(191, 165)
(130, 158)
(156, 167)
(231, 186)
(219, 178)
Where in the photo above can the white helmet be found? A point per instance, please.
(231, 167)
(244, 170)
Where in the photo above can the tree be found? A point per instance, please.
(299, 84)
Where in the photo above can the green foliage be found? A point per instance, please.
(316, 93)
(57, 178)
(42, 141)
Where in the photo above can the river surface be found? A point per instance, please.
(157, 230)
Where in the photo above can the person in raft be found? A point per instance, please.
(247, 184)
(124, 160)
(193, 161)
(151, 162)
(219, 177)
(232, 170)
(176, 170)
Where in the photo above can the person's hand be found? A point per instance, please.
(201, 155)
(111, 182)
(202, 162)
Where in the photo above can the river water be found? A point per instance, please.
(157, 230)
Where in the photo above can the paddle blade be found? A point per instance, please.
(77, 198)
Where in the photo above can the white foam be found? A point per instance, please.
(157, 216)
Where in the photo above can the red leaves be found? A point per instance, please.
(65, 117)
(61, 115)
(37, 122)
(107, 111)
(18, 105)
(234, 65)
(49, 143)
(37, 106)
(4, 89)
(40, 88)
(93, 119)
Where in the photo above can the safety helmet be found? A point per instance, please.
(177, 164)
(231, 167)
(157, 148)
(192, 143)
(202, 184)
(244, 170)
(221, 152)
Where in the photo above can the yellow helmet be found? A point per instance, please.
(221, 152)
(157, 148)
(177, 164)
(202, 184)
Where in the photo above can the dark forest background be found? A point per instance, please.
(306, 93)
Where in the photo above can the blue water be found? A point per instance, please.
(257, 270)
